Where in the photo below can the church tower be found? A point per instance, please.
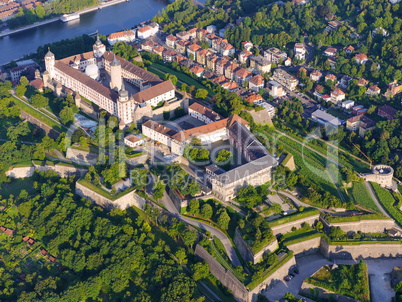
(49, 63)
(124, 106)
(99, 48)
(116, 81)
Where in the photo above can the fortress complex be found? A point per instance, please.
(102, 77)
(225, 184)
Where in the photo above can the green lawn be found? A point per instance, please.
(361, 196)
(37, 114)
(294, 216)
(103, 192)
(338, 113)
(388, 201)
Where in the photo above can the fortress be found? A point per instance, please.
(112, 83)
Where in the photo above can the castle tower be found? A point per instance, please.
(116, 81)
(49, 63)
(124, 106)
(99, 48)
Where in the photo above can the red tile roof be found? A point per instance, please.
(154, 91)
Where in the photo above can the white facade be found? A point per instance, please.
(147, 31)
(133, 141)
(124, 36)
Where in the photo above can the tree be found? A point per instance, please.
(223, 157)
(181, 256)
(66, 115)
(20, 90)
(206, 211)
(159, 188)
(39, 101)
(189, 237)
(223, 219)
(200, 270)
(24, 81)
(201, 93)
(139, 178)
(194, 207)
(21, 129)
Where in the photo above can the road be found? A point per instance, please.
(231, 252)
(374, 198)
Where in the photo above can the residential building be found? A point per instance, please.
(168, 55)
(211, 62)
(183, 35)
(22, 66)
(148, 45)
(260, 65)
(192, 51)
(325, 119)
(275, 89)
(247, 45)
(244, 57)
(221, 65)
(300, 51)
(121, 36)
(203, 113)
(269, 108)
(286, 79)
(159, 50)
(242, 75)
(275, 55)
(211, 29)
(387, 111)
(316, 75)
(393, 89)
(171, 41)
(349, 49)
(256, 83)
(255, 99)
(197, 70)
(148, 31)
(373, 90)
(181, 46)
(301, 71)
(299, 2)
(230, 86)
(337, 95)
(347, 104)
(158, 132)
(331, 77)
(330, 52)
(361, 58)
(319, 89)
(362, 82)
(133, 141)
(230, 70)
(360, 123)
(345, 80)
(202, 56)
(288, 62)
(226, 49)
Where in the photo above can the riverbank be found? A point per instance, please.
(38, 24)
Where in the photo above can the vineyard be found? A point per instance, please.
(362, 197)
(388, 201)
(312, 165)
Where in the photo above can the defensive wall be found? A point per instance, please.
(52, 133)
(365, 226)
(62, 170)
(80, 156)
(306, 247)
(287, 227)
(247, 253)
(323, 294)
(124, 202)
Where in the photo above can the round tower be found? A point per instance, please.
(49, 63)
(99, 48)
(116, 81)
(124, 106)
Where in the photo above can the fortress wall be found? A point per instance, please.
(124, 202)
(287, 227)
(63, 171)
(306, 247)
(38, 123)
(246, 252)
(365, 226)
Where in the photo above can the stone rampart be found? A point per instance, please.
(305, 247)
(356, 251)
(246, 252)
(239, 291)
(323, 294)
(124, 202)
(270, 281)
(38, 123)
(365, 226)
(62, 170)
(287, 227)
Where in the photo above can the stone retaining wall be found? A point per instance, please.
(287, 227)
(124, 202)
(63, 171)
(365, 226)
(38, 123)
(306, 247)
(246, 252)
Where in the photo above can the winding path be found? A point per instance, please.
(231, 252)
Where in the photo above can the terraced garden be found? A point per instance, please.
(388, 202)
(361, 196)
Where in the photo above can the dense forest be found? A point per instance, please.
(120, 255)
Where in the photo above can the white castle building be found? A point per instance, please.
(100, 77)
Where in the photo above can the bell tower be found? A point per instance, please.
(49, 63)
(116, 81)
(99, 48)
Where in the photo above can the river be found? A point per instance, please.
(110, 19)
